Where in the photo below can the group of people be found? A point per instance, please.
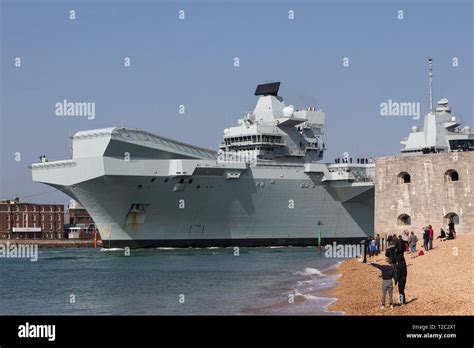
(395, 271)
(428, 235)
(443, 236)
(376, 245)
(451, 232)
(464, 147)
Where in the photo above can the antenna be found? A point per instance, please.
(430, 63)
(71, 136)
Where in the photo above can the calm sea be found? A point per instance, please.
(168, 281)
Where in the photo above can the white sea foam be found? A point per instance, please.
(112, 249)
(310, 272)
(304, 282)
(310, 297)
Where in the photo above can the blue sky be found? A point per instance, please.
(190, 62)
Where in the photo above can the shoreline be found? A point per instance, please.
(438, 283)
(52, 243)
(333, 271)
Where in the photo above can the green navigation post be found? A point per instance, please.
(319, 224)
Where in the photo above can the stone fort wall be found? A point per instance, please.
(428, 195)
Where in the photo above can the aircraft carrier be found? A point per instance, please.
(265, 186)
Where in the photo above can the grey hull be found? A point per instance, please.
(212, 211)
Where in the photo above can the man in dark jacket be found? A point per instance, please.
(395, 250)
(400, 249)
(400, 277)
(391, 252)
(426, 238)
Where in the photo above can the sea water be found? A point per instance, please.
(167, 281)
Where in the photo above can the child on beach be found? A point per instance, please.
(388, 273)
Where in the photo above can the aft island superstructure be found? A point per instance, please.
(264, 186)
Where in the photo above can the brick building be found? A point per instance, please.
(79, 216)
(414, 191)
(81, 225)
(30, 220)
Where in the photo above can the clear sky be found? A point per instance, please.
(191, 62)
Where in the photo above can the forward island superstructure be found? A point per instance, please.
(265, 185)
(442, 131)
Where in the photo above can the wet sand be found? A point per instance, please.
(441, 282)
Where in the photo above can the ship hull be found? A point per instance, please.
(213, 211)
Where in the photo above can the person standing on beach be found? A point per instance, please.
(405, 237)
(426, 238)
(398, 260)
(412, 240)
(400, 247)
(391, 250)
(377, 242)
(431, 235)
(394, 240)
(368, 245)
(400, 277)
(388, 242)
(388, 272)
(373, 248)
(391, 242)
(362, 242)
